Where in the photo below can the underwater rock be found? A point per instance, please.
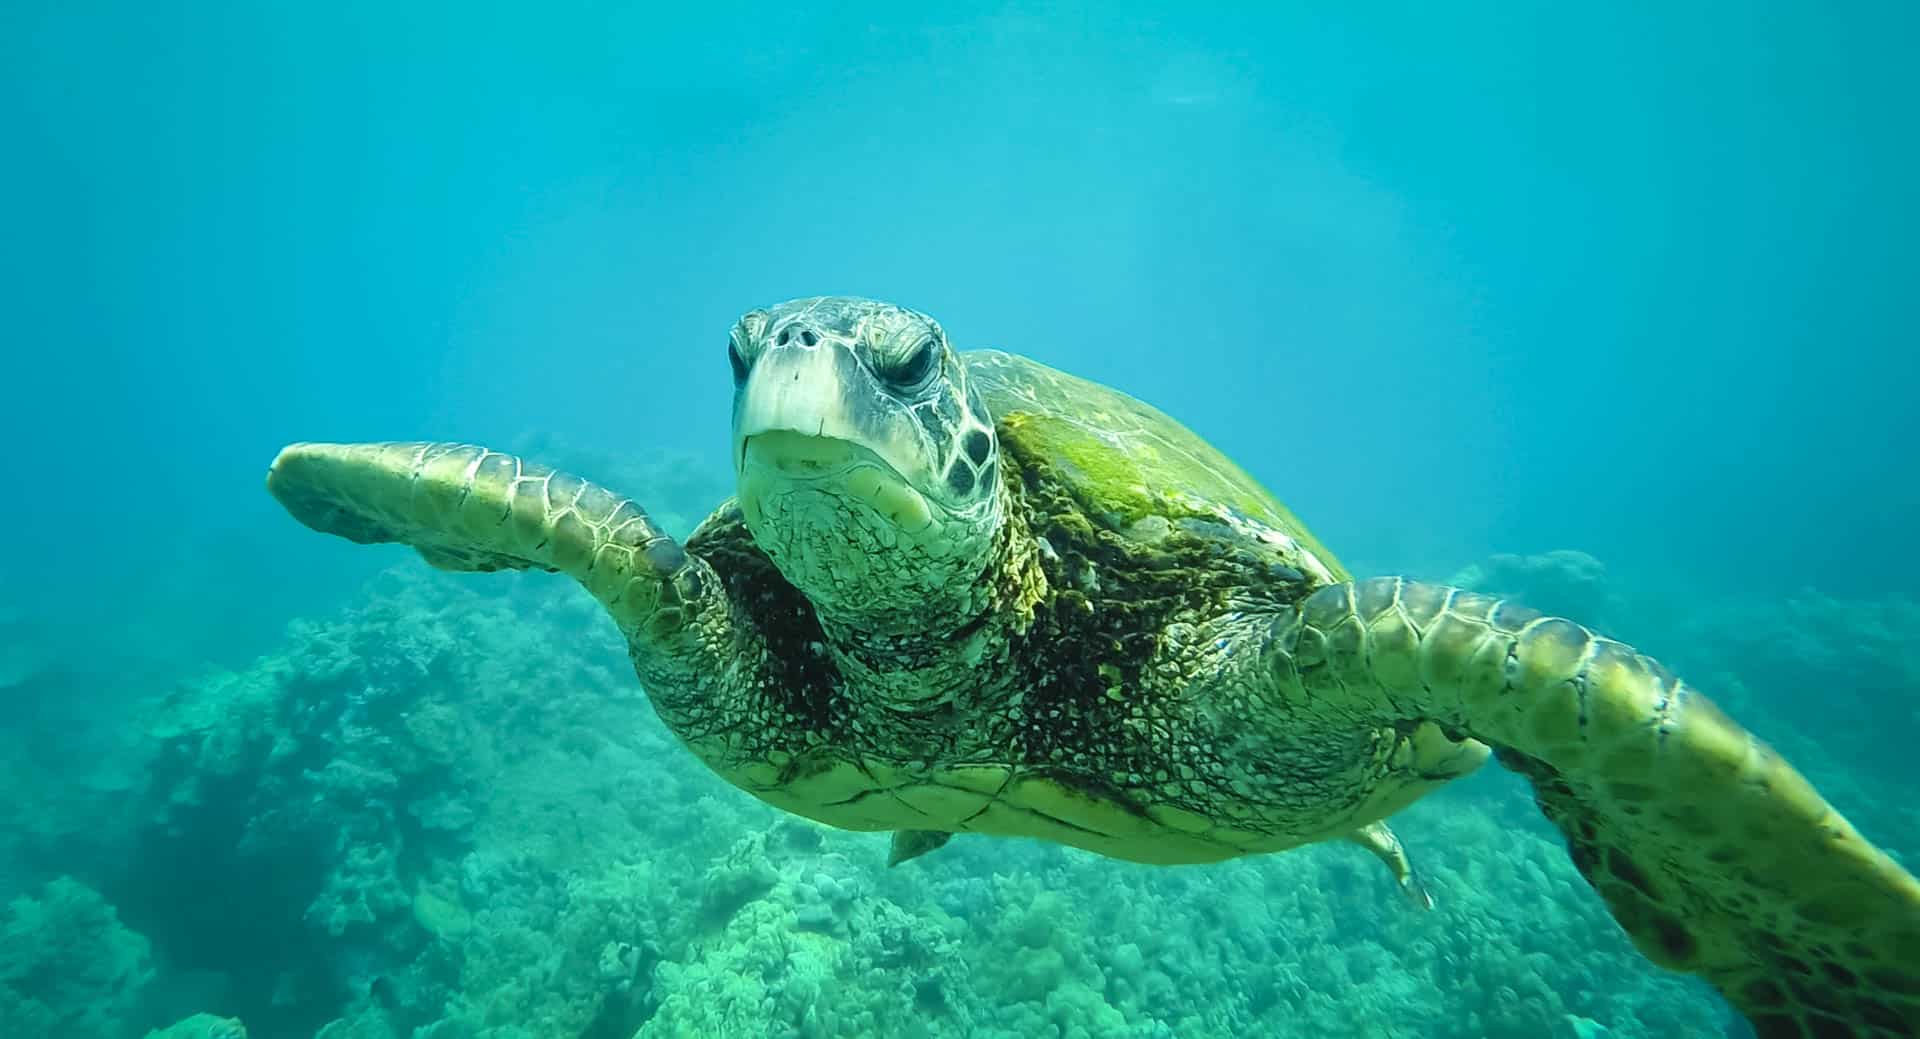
(823, 901)
(202, 1026)
(441, 917)
(478, 831)
(1577, 1027)
(440, 811)
(364, 888)
(743, 875)
(1562, 583)
(320, 790)
(815, 916)
(876, 970)
(1080, 1011)
(68, 967)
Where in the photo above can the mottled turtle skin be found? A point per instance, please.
(967, 593)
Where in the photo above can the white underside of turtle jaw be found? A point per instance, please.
(777, 464)
(853, 534)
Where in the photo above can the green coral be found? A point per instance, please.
(68, 967)
(814, 955)
(438, 825)
(1563, 583)
(202, 1026)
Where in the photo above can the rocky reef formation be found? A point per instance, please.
(67, 964)
(1564, 583)
(449, 813)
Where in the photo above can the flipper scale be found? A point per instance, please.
(464, 507)
(1714, 854)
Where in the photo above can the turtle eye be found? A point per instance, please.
(919, 364)
(739, 363)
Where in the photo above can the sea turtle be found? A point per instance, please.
(968, 593)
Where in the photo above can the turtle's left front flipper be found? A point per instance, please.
(1712, 852)
(468, 508)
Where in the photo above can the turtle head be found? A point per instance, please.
(868, 469)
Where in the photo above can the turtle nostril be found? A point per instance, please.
(807, 337)
(784, 336)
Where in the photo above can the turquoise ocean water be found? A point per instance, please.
(1609, 308)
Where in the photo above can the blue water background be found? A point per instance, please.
(1637, 279)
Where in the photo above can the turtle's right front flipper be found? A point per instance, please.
(468, 508)
(1713, 853)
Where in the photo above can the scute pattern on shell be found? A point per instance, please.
(1127, 460)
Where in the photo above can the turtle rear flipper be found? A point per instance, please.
(1711, 851)
(467, 508)
(911, 844)
(1385, 845)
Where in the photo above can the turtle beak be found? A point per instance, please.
(794, 389)
(821, 392)
(814, 417)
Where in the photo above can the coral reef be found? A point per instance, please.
(68, 967)
(1563, 582)
(202, 1026)
(450, 814)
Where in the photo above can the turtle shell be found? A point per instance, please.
(1132, 468)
